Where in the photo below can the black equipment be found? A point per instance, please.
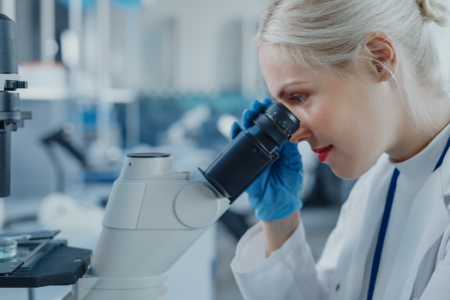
(11, 118)
(63, 138)
(40, 261)
(251, 152)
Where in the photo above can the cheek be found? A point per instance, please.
(324, 123)
(345, 126)
(321, 120)
(356, 150)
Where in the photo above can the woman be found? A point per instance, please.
(365, 79)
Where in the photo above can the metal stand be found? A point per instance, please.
(30, 294)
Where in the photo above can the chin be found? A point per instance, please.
(348, 169)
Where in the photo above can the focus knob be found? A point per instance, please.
(12, 85)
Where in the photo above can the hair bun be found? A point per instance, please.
(435, 12)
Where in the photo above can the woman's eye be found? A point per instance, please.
(299, 98)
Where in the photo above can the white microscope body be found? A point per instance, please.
(153, 216)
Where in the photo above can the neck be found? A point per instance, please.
(410, 141)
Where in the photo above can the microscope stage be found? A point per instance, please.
(60, 266)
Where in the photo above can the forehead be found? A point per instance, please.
(279, 69)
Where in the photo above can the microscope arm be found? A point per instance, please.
(152, 218)
(199, 205)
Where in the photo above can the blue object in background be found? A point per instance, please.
(275, 194)
(86, 4)
(120, 4)
(89, 119)
(127, 4)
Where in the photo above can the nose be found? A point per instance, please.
(302, 134)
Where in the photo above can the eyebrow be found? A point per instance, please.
(286, 85)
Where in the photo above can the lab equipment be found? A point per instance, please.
(275, 194)
(253, 150)
(153, 216)
(30, 259)
(62, 137)
(11, 118)
(40, 260)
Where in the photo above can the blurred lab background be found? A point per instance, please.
(110, 77)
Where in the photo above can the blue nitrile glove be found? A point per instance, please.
(275, 194)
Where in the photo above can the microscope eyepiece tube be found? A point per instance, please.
(252, 151)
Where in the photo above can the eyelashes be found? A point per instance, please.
(299, 98)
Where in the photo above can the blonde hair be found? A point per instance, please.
(331, 33)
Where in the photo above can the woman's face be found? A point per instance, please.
(350, 124)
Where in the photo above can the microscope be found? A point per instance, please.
(11, 118)
(27, 259)
(153, 215)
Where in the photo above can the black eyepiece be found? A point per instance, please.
(278, 123)
(252, 151)
(281, 115)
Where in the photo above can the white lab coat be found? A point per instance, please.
(421, 270)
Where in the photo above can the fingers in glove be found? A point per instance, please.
(267, 102)
(290, 158)
(255, 109)
(235, 130)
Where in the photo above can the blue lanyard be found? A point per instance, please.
(385, 222)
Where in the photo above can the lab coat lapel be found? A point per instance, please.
(356, 254)
(427, 222)
(358, 240)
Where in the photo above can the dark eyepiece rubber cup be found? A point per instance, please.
(284, 117)
(252, 151)
(278, 123)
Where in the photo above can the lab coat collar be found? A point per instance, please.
(429, 218)
(427, 222)
(418, 168)
(445, 177)
(357, 242)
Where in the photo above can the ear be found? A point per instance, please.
(380, 50)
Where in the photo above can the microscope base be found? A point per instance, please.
(95, 288)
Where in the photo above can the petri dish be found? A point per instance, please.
(8, 249)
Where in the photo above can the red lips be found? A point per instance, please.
(323, 152)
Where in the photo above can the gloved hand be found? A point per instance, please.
(275, 194)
